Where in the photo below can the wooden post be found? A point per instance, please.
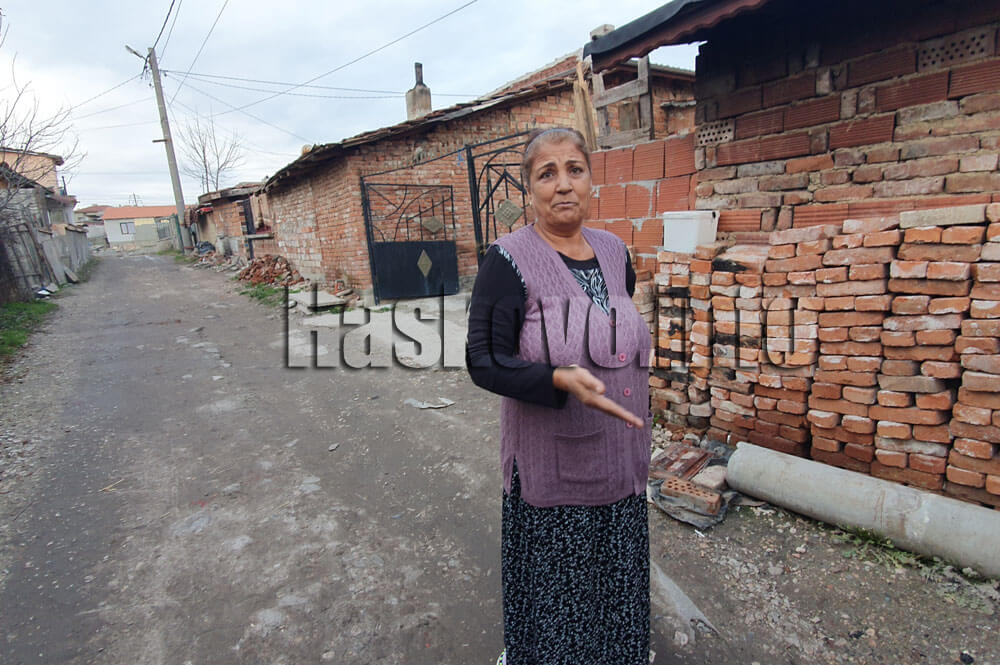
(646, 99)
(583, 108)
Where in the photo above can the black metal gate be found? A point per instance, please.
(246, 210)
(498, 195)
(410, 230)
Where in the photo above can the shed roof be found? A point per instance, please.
(234, 192)
(677, 22)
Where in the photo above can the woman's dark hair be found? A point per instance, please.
(551, 135)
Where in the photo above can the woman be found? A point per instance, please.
(552, 328)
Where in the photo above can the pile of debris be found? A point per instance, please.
(687, 476)
(270, 269)
(220, 262)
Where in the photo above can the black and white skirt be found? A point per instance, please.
(575, 582)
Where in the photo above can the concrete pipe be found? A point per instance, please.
(915, 520)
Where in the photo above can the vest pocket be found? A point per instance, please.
(585, 458)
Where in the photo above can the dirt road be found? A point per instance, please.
(170, 493)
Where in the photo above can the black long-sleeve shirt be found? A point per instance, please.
(496, 314)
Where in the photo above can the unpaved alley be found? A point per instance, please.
(170, 493)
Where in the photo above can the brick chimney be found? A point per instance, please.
(418, 98)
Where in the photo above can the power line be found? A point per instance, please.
(113, 108)
(171, 30)
(162, 27)
(299, 94)
(200, 48)
(359, 58)
(203, 77)
(101, 94)
(250, 115)
(195, 113)
(127, 124)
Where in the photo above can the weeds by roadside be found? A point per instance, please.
(268, 295)
(868, 545)
(179, 256)
(87, 269)
(963, 587)
(18, 320)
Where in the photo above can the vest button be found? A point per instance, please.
(629, 425)
(627, 392)
(621, 357)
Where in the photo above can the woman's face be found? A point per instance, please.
(560, 186)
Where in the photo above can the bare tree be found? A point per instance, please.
(208, 157)
(28, 139)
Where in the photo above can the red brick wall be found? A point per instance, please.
(635, 184)
(862, 109)
(295, 230)
(227, 217)
(318, 221)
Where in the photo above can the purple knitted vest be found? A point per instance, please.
(577, 455)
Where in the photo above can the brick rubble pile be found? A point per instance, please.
(270, 269)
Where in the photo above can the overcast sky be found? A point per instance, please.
(67, 51)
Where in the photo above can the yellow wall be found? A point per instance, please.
(39, 168)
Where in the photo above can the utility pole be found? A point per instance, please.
(169, 145)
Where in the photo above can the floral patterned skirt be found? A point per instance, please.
(575, 582)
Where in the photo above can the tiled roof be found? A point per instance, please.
(322, 153)
(95, 209)
(557, 75)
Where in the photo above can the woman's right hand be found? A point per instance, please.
(587, 388)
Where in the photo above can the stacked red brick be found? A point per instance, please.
(973, 470)
(670, 385)
(790, 331)
(930, 284)
(735, 364)
(700, 312)
(852, 286)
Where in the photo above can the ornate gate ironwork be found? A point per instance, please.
(497, 193)
(411, 239)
